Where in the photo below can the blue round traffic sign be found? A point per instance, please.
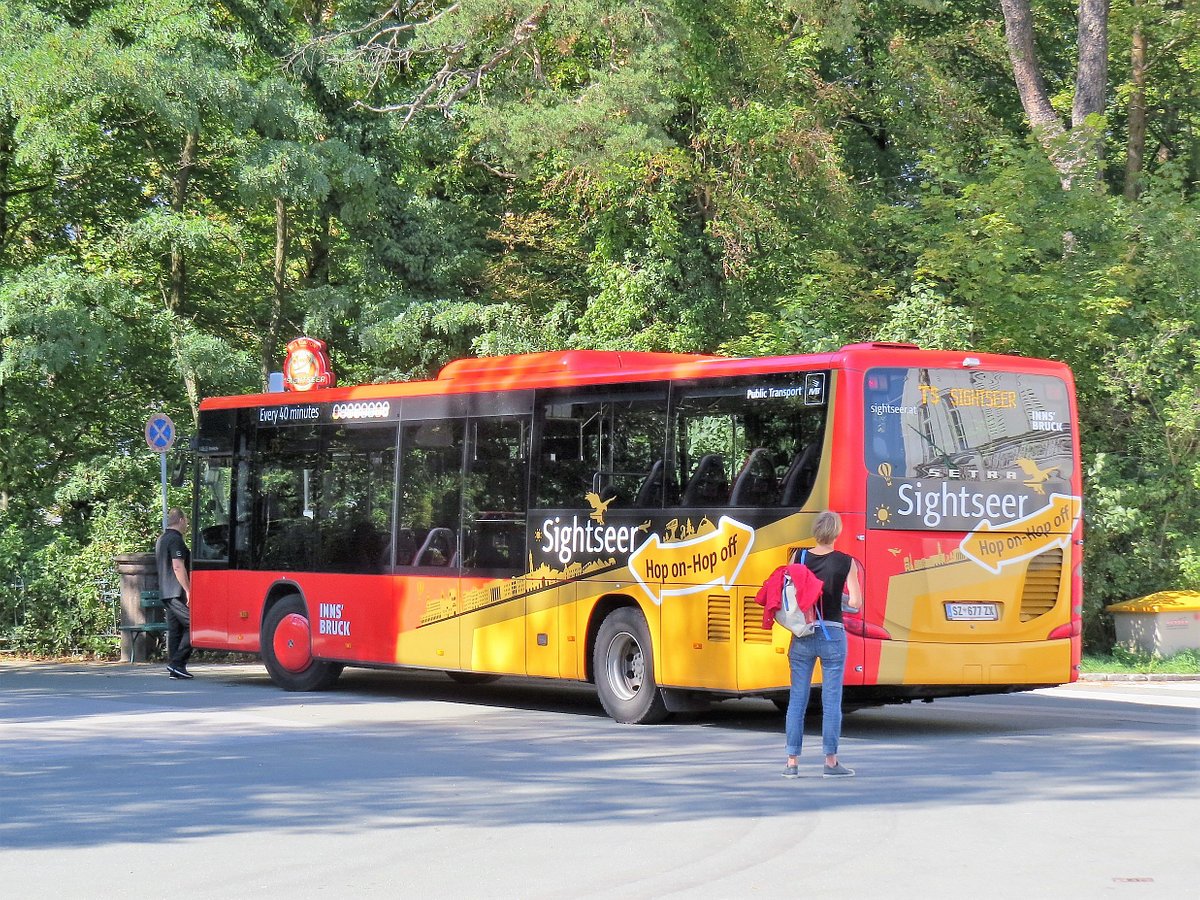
(160, 433)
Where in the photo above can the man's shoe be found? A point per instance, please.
(791, 772)
(184, 673)
(837, 770)
(174, 673)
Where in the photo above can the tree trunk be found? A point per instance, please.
(1135, 148)
(1091, 80)
(1090, 83)
(318, 259)
(1091, 75)
(183, 174)
(1035, 99)
(270, 342)
(7, 128)
(177, 291)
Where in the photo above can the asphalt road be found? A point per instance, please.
(116, 781)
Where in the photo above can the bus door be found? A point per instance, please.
(501, 631)
(428, 543)
(212, 519)
(598, 491)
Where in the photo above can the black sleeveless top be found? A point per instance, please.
(833, 569)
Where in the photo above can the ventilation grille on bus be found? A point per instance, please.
(720, 623)
(752, 627)
(1041, 584)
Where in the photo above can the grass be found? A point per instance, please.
(1122, 661)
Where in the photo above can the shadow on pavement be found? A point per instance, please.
(93, 755)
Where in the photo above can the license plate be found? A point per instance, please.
(972, 612)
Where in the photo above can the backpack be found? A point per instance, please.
(800, 601)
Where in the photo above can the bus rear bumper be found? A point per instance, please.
(1021, 664)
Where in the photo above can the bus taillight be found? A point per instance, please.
(1072, 629)
(855, 625)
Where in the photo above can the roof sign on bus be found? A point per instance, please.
(812, 390)
(288, 415)
(306, 366)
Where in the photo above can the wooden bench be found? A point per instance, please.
(150, 601)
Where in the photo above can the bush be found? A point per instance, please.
(1185, 662)
(59, 593)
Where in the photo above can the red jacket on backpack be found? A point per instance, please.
(770, 595)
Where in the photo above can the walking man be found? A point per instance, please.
(175, 585)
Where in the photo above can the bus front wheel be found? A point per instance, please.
(287, 649)
(624, 668)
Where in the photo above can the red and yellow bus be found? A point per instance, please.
(608, 517)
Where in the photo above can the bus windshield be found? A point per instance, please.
(1010, 431)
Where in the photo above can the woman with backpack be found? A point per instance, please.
(837, 572)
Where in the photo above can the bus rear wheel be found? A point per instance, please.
(287, 649)
(623, 664)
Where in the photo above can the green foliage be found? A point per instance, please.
(60, 594)
(1122, 661)
(186, 185)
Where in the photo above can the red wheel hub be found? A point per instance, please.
(291, 643)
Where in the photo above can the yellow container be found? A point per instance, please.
(1159, 624)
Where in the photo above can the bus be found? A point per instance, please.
(608, 517)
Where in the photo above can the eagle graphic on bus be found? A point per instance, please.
(1037, 476)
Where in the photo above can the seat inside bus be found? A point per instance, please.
(709, 485)
(801, 475)
(756, 484)
(650, 493)
(438, 549)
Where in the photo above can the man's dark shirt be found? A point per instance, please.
(170, 547)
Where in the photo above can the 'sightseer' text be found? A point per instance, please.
(567, 540)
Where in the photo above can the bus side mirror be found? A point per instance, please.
(178, 470)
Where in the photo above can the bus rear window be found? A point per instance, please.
(966, 424)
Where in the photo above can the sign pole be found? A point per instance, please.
(162, 466)
(160, 437)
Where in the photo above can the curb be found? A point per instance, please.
(1136, 676)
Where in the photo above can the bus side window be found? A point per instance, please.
(616, 450)
(758, 424)
(354, 515)
(429, 504)
(243, 514)
(213, 494)
(494, 495)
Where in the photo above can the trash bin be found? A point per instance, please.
(139, 572)
(1160, 624)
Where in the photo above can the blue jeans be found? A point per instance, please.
(802, 658)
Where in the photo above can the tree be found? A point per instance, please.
(184, 185)
(1070, 152)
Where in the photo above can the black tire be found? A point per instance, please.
(287, 649)
(623, 664)
(472, 677)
